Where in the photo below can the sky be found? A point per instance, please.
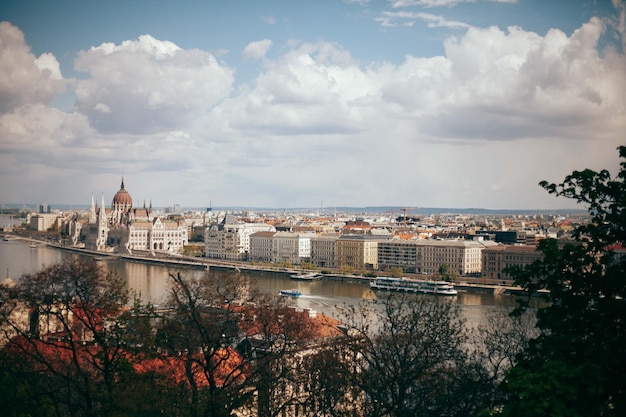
(329, 103)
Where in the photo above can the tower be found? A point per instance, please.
(103, 228)
(92, 211)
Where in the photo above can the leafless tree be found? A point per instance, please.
(414, 358)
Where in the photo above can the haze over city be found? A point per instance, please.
(421, 103)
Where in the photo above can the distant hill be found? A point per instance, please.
(369, 210)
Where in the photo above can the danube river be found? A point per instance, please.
(151, 282)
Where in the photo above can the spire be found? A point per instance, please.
(92, 211)
(103, 216)
(122, 182)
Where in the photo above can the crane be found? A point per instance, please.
(404, 209)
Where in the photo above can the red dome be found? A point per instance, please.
(122, 197)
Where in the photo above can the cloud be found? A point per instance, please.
(479, 125)
(437, 3)
(270, 20)
(148, 85)
(257, 50)
(25, 78)
(620, 21)
(391, 19)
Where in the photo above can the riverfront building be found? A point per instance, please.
(44, 221)
(425, 256)
(357, 251)
(281, 247)
(497, 258)
(230, 239)
(125, 228)
(324, 251)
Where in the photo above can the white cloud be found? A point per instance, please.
(257, 50)
(25, 79)
(316, 106)
(437, 3)
(270, 20)
(479, 125)
(391, 19)
(148, 85)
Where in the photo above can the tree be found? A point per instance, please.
(576, 366)
(332, 390)
(414, 358)
(447, 274)
(197, 335)
(277, 336)
(66, 338)
(231, 355)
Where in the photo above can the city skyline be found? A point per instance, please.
(355, 103)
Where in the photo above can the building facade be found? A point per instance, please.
(230, 239)
(324, 251)
(261, 246)
(125, 228)
(397, 253)
(462, 256)
(497, 258)
(357, 251)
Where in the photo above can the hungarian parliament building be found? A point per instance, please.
(124, 228)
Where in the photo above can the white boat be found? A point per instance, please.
(32, 245)
(290, 293)
(413, 285)
(309, 276)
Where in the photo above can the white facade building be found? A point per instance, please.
(124, 228)
(292, 247)
(230, 240)
(44, 221)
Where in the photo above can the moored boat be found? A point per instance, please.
(413, 285)
(309, 276)
(290, 293)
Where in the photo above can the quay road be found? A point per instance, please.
(171, 260)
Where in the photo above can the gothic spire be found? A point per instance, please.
(92, 211)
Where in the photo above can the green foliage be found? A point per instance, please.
(576, 365)
(347, 269)
(447, 274)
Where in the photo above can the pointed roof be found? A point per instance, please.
(122, 197)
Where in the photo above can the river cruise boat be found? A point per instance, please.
(290, 293)
(309, 276)
(413, 285)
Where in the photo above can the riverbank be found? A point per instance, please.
(179, 261)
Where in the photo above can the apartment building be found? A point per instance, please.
(44, 221)
(396, 253)
(280, 247)
(231, 238)
(497, 258)
(261, 246)
(357, 251)
(324, 251)
(462, 256)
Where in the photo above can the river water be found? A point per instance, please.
(152, 282)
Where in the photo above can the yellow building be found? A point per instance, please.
(357, 251)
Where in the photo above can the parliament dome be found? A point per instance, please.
(122, 197)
